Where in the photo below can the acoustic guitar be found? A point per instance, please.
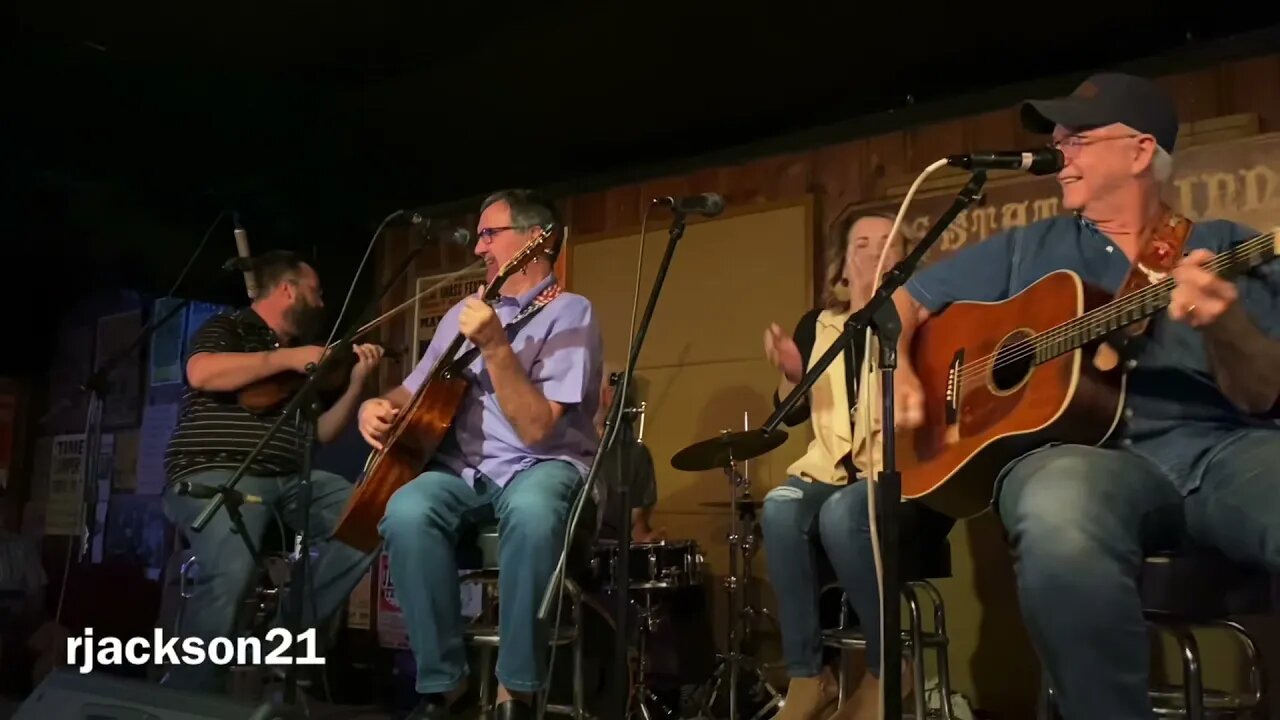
(421, 424)
(1002, 379)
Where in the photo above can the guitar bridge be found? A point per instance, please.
(953, 388)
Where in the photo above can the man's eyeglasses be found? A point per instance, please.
(1071, 144)
(486, 235)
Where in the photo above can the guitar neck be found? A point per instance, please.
(450, 355)
(1144, 303)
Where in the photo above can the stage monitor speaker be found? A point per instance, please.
(69, 695)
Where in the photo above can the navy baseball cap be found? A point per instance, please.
(1104, 99)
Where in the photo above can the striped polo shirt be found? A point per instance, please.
(214, 432)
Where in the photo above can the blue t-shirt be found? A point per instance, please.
(1175, 414)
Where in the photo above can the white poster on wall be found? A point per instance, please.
(432, 306)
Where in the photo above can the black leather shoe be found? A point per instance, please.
(514, 710)
(432, 707)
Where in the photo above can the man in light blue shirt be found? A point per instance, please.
(518, 452)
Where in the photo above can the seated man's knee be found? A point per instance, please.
(407, 515)
(533, 518)
(1050, 505)
(1050, 486)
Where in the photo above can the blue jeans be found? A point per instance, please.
(226, 570)
(421, 528)
(794, 515)
(845, 530)
(1081, 520)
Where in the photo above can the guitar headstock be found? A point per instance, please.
(540, 244)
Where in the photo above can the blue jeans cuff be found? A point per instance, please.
(441, 687)
(521, 686)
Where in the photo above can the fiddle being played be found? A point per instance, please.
(521, 441)
(215, 434)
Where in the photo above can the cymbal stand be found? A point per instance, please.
(644, 697)
(648, 616)
(734, 662)
(749, 544)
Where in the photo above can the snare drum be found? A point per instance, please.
(651, 565)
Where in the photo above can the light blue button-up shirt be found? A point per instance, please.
(562, 352)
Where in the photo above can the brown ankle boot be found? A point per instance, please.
(808, 699)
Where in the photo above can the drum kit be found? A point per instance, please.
(657, 569)
(727, 452)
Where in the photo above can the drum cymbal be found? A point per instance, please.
(718, 451)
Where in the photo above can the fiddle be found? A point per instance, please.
(271, 393)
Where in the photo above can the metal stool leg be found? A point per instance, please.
(1192, 683)
(579, 693)
(842, 683)
(1257, 678)
(488, 693)
(942, 645)
(186, 573)
(917, 649)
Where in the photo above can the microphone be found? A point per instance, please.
(459, 236)
(204, 492)
(1040, 161)
(706, 204)
(242, 250)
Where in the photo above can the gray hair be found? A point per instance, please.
(1162, 165)
(1161, 160)
(528, 210)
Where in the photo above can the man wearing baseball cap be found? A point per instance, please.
(1193, 456)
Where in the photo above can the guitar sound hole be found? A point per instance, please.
(1013, 362)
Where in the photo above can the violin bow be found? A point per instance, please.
(445, 280)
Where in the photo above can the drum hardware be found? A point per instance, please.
(643, 696)
(633, 411)
(726, 452)
(654, 566)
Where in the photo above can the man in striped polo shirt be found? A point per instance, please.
(215, 434)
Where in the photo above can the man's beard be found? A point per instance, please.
(305, 319)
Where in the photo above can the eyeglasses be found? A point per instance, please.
(1071, 144)
(486, 235)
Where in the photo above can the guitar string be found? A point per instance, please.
(1116, 308)
(1112, 310)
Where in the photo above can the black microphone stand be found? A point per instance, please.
(621, 569)
(881, 316)
(305, 404)
(233, 500)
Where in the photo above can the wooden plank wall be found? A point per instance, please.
(842, 174)
(862, 170)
